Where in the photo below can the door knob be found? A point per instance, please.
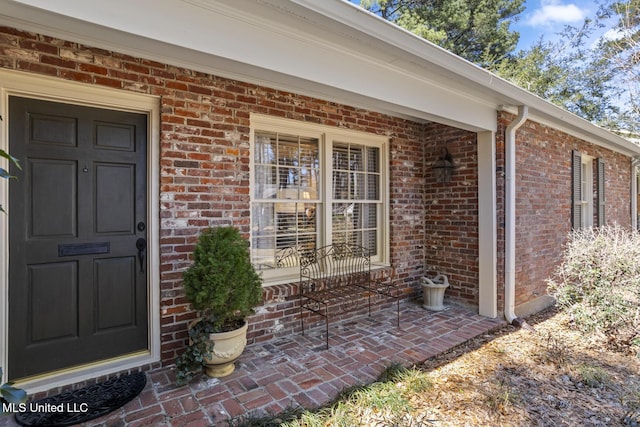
(141, 245)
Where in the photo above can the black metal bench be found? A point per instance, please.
(338, 277)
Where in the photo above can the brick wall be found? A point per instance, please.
(451, 219)
(543, 205)
(204, 164)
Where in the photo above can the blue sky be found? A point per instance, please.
(548, 17)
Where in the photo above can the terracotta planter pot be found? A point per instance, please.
(227, 347)
(433, 292)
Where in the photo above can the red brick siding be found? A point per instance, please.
(407, 209)
(204, 163)
(543, 205)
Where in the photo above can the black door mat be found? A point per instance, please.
(79, 406)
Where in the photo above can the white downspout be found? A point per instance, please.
(510, 214)
(635, 162)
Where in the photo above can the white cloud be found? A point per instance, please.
(552, 12)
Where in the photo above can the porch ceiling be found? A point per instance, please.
(278, 43)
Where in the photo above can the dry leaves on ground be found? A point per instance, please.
(544, 374)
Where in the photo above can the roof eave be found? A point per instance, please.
(429, 83)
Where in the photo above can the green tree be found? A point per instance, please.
(536, 70)
(388, 9)
(566, 75)
(477, 30)
(591, 70)
(619, 49)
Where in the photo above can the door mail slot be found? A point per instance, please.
(74, 249)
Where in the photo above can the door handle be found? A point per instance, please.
(141, 245)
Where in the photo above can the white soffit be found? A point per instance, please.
(272, 42)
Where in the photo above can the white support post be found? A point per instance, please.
(487, 234)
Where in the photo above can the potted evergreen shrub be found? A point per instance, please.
(224, 288)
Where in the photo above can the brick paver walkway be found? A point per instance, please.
(298, 370)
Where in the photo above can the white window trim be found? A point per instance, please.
(326, 135)
(587, 194)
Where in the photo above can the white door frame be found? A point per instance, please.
(57, 90)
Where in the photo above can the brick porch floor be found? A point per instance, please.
(297, 370)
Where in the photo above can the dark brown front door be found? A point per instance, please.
(77, 248)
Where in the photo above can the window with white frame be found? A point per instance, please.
(314, 185)
(587, 209)
(586, 184)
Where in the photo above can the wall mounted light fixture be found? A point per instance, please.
(444, 166)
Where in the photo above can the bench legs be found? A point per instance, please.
(318, 302)
(326, 323)
(324, 312)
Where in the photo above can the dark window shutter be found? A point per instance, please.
(576, 189)
(601, 193)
